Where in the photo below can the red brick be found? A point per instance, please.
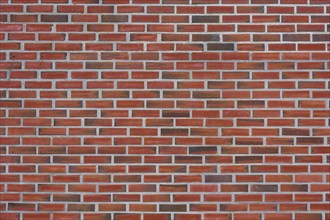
(178, 96)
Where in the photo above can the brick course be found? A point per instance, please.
(164, 109)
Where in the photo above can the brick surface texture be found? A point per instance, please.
(164, 109)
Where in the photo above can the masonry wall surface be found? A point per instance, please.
(164, 109)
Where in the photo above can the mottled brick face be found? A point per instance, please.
(164, 109)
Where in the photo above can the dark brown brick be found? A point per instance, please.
(295, 132)
(248, 159)
(220, 46)
(54, 18)
(175, 113)
(174, 132)
(321, 37)
(203, 150)
(264, 1)
(294, 188)
(81, 207)
(309, 140)
(218, 178)
(205, 37)
(66, 197)
(188, 159)
(205, 19)
(99, 65)
(206, 94)
(264, 188)
(114, 18)
(296, 37)
(251, 104)
(172, 208)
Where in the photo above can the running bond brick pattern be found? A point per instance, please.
(165, 109)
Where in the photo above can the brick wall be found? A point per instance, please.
(164, 109)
